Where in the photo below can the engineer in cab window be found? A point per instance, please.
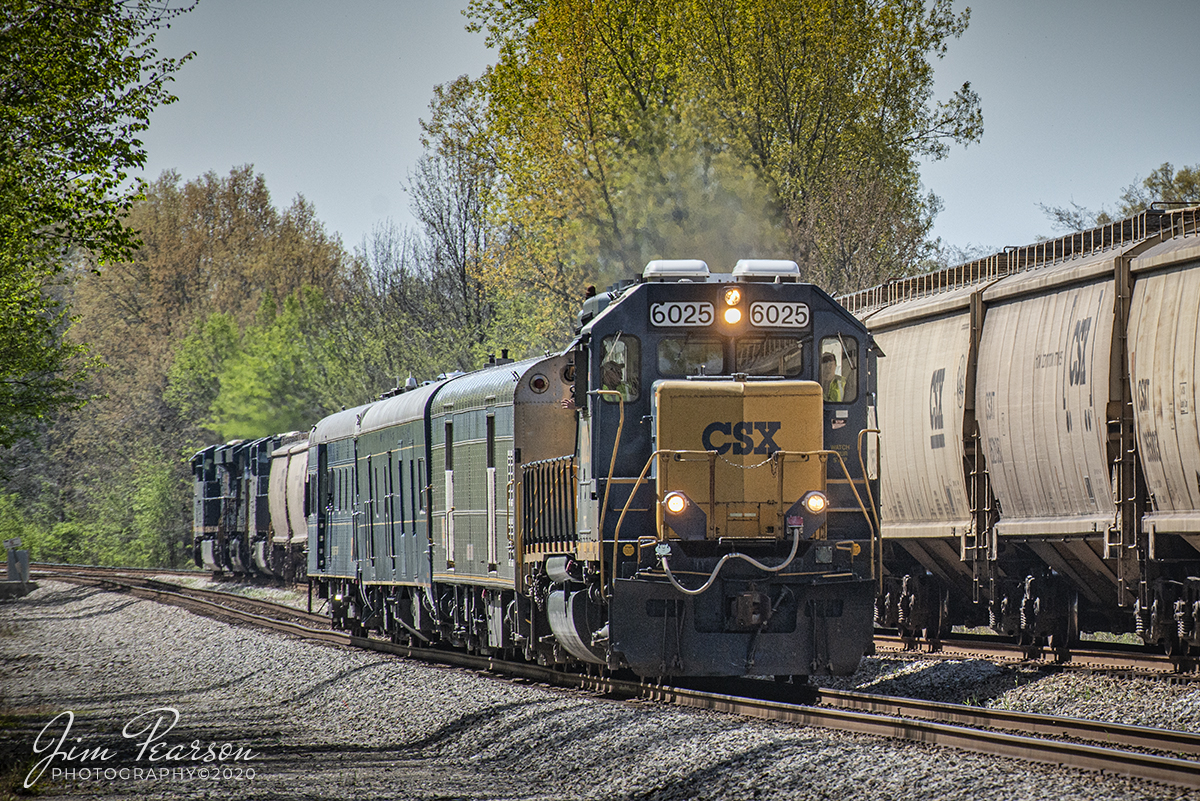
(832, 383)
(839, 368)
(621, 367)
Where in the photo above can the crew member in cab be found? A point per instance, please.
(839, 369)
(621, 369)
(833, 384)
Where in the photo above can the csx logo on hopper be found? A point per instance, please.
(744, 435)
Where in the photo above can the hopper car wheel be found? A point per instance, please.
(1175, 647)
(1031, 644)
(1062, 641)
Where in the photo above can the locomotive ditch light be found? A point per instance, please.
(733, 296)
(675, 502)
(807, 514)
(684, 517)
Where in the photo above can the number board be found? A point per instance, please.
(779, 315)
(666, 315)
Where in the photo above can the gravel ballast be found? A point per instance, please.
(323, 722)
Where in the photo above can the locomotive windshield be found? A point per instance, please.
(783, 356)
(682, 356)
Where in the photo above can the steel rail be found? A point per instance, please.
(886, 720)
(1142, 737)
(1104, 659)
(216, 597)
(1150, 767)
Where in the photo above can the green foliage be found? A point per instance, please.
(191, 336)
(138, 519)
(39, 371)
(12, 520)
(194, 378)
(270, 382)
(157, 512)
(78, 81)
(1162, 184)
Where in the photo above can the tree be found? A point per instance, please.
(451, 190)
(260, 382)
(39, 371)
(1163, 185)
(630, 130)
(78, 80)
(111, 481)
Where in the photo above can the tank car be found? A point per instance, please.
(1016, 454)
(286, 553)
(679, 492)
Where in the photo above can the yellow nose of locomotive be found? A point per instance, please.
(737, 455)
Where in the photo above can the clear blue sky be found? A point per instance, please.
(1080, 98)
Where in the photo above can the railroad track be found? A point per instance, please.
(1116, 658)
(1157, 755)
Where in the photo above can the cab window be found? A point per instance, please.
(771, 356)
(838, 372)
(621, 367)
(680, 356)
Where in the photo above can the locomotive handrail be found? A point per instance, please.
(878, 530)
(621, 519)
(612, 464)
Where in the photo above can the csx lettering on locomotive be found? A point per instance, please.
(744, 435)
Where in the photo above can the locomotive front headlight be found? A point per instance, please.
(733, 315)
(815, 502)
(675, 502)
(733, 296)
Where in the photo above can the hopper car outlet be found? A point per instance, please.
(682, 491)
(1040, 455)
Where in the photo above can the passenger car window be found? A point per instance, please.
(621, 367)
(771, 356)
(681, 356)
(839, 368)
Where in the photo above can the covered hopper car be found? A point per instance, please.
(1040, 457)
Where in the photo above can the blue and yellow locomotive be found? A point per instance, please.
(682, 491)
